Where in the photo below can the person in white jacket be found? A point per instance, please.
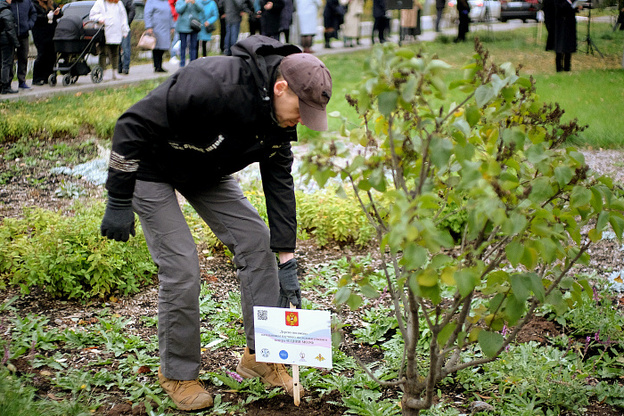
(112, 14)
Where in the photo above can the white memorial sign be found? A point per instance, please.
(293, 336)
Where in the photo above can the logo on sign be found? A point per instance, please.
(265, 352)
(283, 354)
(292, 318)
(320, 358)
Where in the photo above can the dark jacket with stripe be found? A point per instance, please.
(208, 120)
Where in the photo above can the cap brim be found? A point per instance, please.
(313, 118)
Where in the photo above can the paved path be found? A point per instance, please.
(145, 72)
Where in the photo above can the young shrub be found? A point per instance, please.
(500, 157)
(66, 257)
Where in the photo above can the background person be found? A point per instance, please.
(187, 10)
(123, 66)
(48, 13)
(440, 4)
(249, 106)
(286, 18)
(271, 17)
(210, 15)
(463, 12)
(112, 14)
(333, 17)
(159, 22)
(307, 16)
(565, 34)
(381, 23)
(352, 22)
(234, 11)
(25, 16)
(8, 43)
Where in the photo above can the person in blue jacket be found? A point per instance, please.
(159, 22)
(187, 10)
(25, 17)
(209, 17)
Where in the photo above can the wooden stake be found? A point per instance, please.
(295, 376)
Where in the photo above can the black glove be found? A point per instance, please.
(290, 292)
(118, 221)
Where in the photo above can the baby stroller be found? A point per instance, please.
(74, 41)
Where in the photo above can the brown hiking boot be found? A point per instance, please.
(186, 394)
(270, 373)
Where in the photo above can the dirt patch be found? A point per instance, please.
(24, 184)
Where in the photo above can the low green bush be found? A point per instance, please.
(66, 257)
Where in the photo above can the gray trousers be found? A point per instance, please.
(237, 224)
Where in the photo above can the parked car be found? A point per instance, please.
(480, 10)
(523, 9)
(83, 7)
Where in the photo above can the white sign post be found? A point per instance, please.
(293, 336)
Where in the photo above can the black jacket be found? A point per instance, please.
(25, 16)
(208, 120)
(565, 27)
(43, 31)
(8, 35)
(130, 10)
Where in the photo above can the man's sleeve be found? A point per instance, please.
(279, 191)
(137, 131)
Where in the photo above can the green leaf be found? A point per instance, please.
(580, 197)
(484, 94)
(520, 287)
(564, 175)
(414, 256)
(354, 301)
(440, 151)
(490, 342)
(387, 102)
(446, 332)
(514, 251)
(473, 115)
(466, 280)
(342, 295)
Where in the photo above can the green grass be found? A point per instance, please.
(593, 92)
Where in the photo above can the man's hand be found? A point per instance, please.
(290, 292)
(118, 221)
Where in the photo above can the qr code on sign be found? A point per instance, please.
(263, 315)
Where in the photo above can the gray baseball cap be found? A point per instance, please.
(311, 81)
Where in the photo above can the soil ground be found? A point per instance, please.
(36, 186)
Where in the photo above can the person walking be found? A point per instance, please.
(352, 22)
(187, 10)
(48, 13)
(565, 34)
(270, 17)
(123, 66)
(8, 43)
(112, 14)
(25, 17)
(307, 17)
(159, 22)
(210, 15)
(207, 121)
